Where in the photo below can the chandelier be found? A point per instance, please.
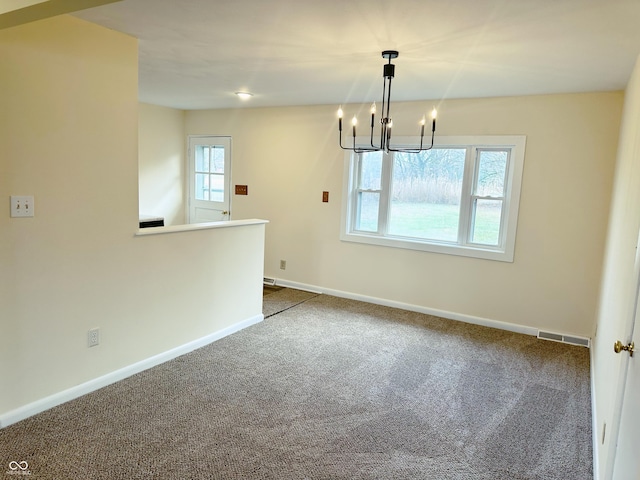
(385, 122)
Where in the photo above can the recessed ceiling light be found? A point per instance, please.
(244, 95)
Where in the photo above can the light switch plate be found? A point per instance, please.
(22, 206)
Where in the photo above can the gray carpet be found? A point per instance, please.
(278, 299)
(330, 389)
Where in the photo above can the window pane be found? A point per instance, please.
(217, 159)
(426, 189)
(217, 188)
(492, 166)
(371, 171)
(202, 186)
(367, 214)
(202, 158)
(486, 225)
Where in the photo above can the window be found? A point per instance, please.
(209, 172)
(459, 198)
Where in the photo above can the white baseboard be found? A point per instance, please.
(51, 401)
(486, 322)
(594, 420)
(300, 286)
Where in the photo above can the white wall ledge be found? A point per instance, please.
(198, 226)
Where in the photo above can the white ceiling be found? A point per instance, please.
(196, 53)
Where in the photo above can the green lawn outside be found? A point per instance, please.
(438, 222)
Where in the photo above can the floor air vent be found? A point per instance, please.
(558, 337)
(268, 281)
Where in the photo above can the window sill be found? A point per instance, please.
(487, 253)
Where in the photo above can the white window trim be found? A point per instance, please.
(504, 252)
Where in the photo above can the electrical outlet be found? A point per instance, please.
(94, 337)
(283, 264)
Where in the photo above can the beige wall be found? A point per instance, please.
(620, 277)
(68, 136)
(288, 156)
(161, 163)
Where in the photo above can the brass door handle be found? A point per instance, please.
(225, 212)
(619, 347)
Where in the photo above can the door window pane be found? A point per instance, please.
(367, 214)
(217, 188)
(217, 159)
(486, 225)
(426, 189)
(202, 186)
(202, 158)
(492, 167)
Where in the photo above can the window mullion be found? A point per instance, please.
(466, 202)
(359, 189)
(505, 201)
(355, 190)
(385, 194)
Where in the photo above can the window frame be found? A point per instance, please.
(504, 251)
(209, 174)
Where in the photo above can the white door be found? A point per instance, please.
(209, 179)
(627, 456)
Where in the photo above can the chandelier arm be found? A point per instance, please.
(340, 132)
(357, 149)
(415, 150)
(372, 121)
(360, 149)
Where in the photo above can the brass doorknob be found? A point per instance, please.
(619, 347)
(225, 212)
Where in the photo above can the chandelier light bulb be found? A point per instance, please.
(340, 112)
(354, 121)
(423, 121)
(434, 113)
(373, 108)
